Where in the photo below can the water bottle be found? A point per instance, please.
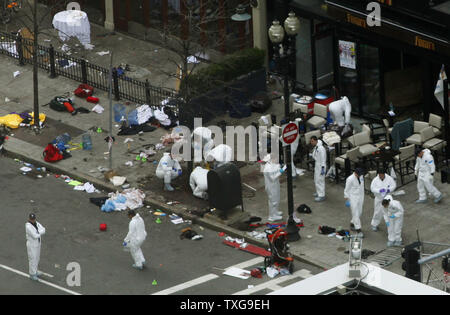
(64, 139)
(87, 141)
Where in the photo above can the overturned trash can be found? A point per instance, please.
(225, 188)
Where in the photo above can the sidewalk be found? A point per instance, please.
(432, 221)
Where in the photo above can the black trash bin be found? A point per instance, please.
(225, 188)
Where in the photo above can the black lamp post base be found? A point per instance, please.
(292, 231)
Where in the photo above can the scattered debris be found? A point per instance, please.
(238, 273)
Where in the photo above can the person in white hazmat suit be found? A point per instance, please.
(341, 111)
(205, 141)
(220, 155)
(319, 155)
(354, 196)
(168, 169)
(134, 239)
(393, 216)
(272, 172)
(34, 231)
(381, 186)
(424, 170)
(199, 182)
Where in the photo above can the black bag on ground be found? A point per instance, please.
(57, 103)
(304, 209)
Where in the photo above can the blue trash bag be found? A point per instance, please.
(119, 112)
(109, 206)
(133, 118)
(121, 199)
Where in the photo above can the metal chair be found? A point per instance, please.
(406, 161)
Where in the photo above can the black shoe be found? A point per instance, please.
(352, 227)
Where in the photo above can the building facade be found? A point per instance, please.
(398, 61)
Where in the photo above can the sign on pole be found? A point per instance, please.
(289, 133)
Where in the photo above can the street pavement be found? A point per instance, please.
(72, 235)
(431, 221)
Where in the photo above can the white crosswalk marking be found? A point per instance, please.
(207, 277)
(188, 284)
(274, 284)
(40, 280)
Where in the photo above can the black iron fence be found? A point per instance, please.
(61, 64)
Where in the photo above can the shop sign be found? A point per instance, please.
(423, 43)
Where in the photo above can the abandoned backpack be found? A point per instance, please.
(84, 91)
(52, 154)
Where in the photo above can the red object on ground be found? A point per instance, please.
(92, 99)
(84, 90)
(250, 249)
(221, 234)
(69, 107)
(103, 227)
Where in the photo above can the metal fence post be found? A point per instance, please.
(20, 50)
(147, 92)
(116, 84)
(84, 72)
(52, 62)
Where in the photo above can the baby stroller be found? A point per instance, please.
(279, 248)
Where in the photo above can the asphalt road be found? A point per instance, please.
(73, 235)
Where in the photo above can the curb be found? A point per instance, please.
(215, 226)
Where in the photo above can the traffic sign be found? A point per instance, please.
(289, 133)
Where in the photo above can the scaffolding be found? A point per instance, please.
(432, 272)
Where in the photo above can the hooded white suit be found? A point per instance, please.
(320, 169)
(354, 191)
(167, 169)
(199, 182)
(424, 169)
(272, 173)
(381, 188)
(34, 246)
(134, 239)
(395, 209)
(341, 111)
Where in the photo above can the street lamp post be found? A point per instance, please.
(284, 54)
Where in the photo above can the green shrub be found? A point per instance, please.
(229, 69)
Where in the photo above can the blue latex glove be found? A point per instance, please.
(382, 191)
(180, 172)
(388, 224)
(124, 243)
(347, 203)
(323, 171)
(388, 191)
(392, 217)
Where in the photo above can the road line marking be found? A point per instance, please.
(208, 277)
(269, 284)
(248, 263)
(46, 274)
(40, 280)
(187, 284)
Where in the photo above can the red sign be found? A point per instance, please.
(290, 133)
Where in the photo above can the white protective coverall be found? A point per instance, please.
(424, 168)
(320, 169)
(341, 111)
(272, 173)
(395, 209)
(134, 239)
(167, 169)
(354, 191)
(34, 246)
(222, 154)
(294, 147)
(199, 182)
(381, 188)
(205, 136)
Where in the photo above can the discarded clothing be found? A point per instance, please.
(190, 234)
(98, 201)
(326, 230)
(134, 130)
(128, 199)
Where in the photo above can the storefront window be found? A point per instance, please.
(304, 60)
(370, 79)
